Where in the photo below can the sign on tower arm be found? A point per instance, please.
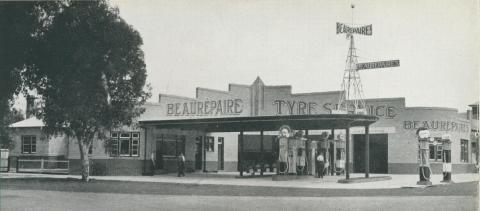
(380, 64)
(363, 30)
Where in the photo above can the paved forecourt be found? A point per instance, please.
(328, 182)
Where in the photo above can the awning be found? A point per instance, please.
(265, 123)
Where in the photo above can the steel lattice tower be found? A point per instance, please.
(352, 90)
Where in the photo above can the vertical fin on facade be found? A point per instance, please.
(257, 96)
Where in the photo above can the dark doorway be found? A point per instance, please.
(220, 153)
(378, 153)
(198, 153)
(158, 155)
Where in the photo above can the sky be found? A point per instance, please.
(212, 43)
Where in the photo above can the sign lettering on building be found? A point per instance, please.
(380, 64)
(206, 108)
(436, 125)
(385, 111)
(363, 30)
(292, 107)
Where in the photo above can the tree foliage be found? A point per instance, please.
(20, 24)
(11, 117)
(88, 67)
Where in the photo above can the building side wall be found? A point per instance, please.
(45, 146)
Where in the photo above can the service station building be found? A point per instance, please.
(236, 130)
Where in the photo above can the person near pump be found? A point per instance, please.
(152, 159)
(181, 165)
(320, 161)
(326, 164)
(301, 161)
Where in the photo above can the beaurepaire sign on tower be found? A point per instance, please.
(363, 30)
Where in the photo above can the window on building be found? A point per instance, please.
(210, 144)
(125, 144)
(464, 151)
(474, 152)
(432, 152)
(29, 144)
(436, 151)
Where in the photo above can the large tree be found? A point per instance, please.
(89, 70)
(20, 24)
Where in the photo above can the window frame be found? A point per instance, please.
(32, 146)
(118, 138)
(210, 144)
(463, 150)
(128, 141)
(437, 151)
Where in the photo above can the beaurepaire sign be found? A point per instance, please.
(226, 107)
(440, 125)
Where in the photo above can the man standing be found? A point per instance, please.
(320, 165)
(181, 165)
(152, 158)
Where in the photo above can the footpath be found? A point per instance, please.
(229, 178)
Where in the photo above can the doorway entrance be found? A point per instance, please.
(198, 152)
(220, 154)
(378, 153)
(158, 155)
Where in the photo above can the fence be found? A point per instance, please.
(43, 166)
(4, 160)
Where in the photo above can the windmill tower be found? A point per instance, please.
(351, 98)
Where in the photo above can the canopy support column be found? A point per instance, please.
(334, 168)
(347, 152)
(204, 153)
(262, 152)
(367, 151)
(240, 153)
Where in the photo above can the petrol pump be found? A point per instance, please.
(424, 141)
(340, 153)
(292, 152)
(312, 154)
(447, 158)
(283, 142)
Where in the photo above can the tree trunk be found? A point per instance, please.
(85, 160)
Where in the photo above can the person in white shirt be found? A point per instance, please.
(320, 161)
(181, 165)
(152, 158)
